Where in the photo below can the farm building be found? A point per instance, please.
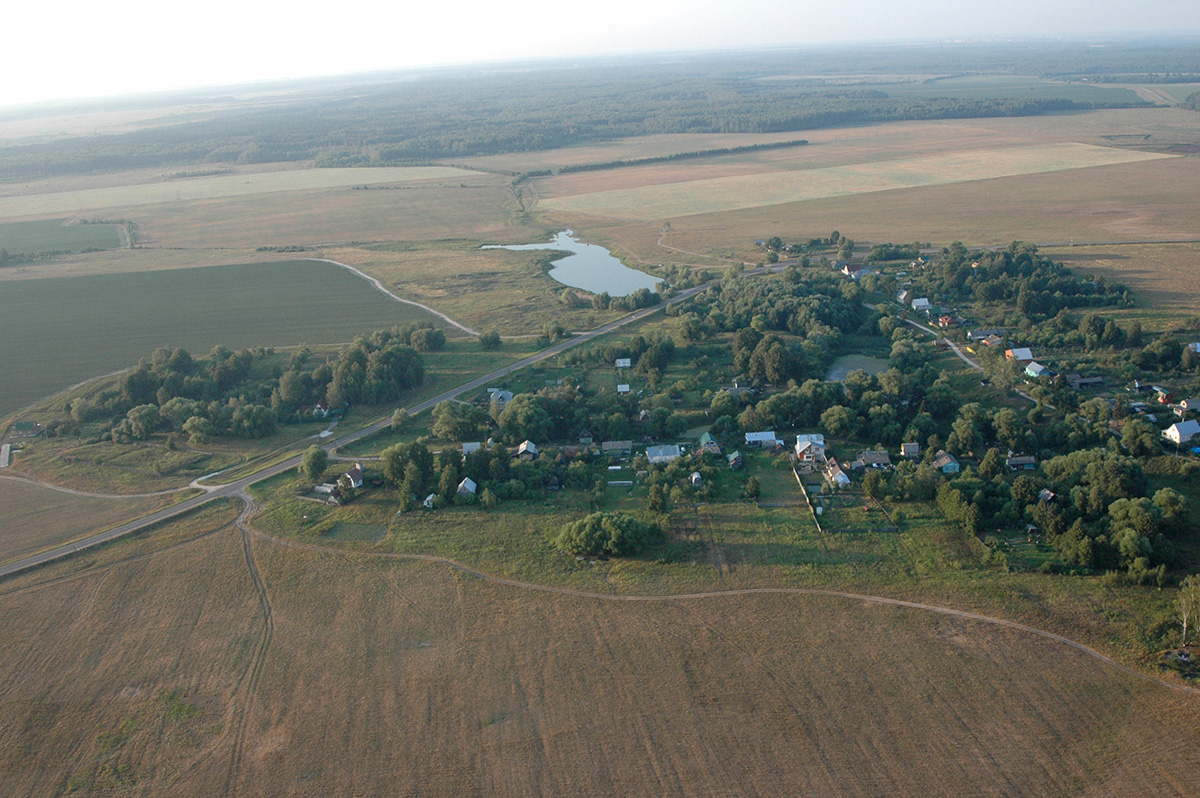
(467, 487)
(623, 389)
(1182, 431)
(708, 444)
(623, 362)
(663, 454)
(616, 448)
(764, 440)
(945, 462)
(1078, 383)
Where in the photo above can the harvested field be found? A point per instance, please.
(56, 332)
(170, 678)
(472, 207)
(748, 191)
(215, 187)
(35, 518)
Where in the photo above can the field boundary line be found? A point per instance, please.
(747, 591)
(383, 290)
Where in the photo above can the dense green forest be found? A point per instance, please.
(449, 113)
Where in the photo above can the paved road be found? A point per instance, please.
(237, 489)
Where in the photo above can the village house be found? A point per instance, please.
(836, 476)
(810, 448)
(764, 440)
(663, 454)
(623, 389)
(1046, 495)
(429, 500)
(1182, 431)
(623, 362)
(993, 340)
(467, 487)
(695, 479)
(355, 476)
(1021, 355)
(1022, 462)
(1078, 383)
(921, 303)
(735, 460)
(1035, 370)
(585, 436)
(910, 450)
(473, 446)
(984, 334)
(945, 462)
(708, 444)
(499, 398)
(1190, 405)
(904, 296)
(875, 458)
(527, 451)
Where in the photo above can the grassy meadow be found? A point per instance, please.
(56, 332)
(178, 673)
(55, 235)
(1165, 277)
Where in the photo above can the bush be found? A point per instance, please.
(606, 533)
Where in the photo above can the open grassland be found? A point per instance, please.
(56, 332)
(35, 518)
(1165, 277)
(216, 187)
(475, 207)
(629, 149)
(982, 87)
(54, 235)
(174, 675)
(484, 289)
(670, 201)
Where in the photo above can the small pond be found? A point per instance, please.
(848, 363)
(588, 266)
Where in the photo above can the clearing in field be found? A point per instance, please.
(55, 235)
(226, 662)
(56, 332)
(756, 190)
(216, 187)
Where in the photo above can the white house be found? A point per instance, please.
(921, 303)
(623, 362)
(810, 448)
(695, 479)
(622, 389)
(429, 500)
(467, 486)
(765, 439)
(1182, 431)
(663, 454)
(354, 475)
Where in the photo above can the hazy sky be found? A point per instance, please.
(72, 48)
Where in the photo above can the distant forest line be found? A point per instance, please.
(484, 111)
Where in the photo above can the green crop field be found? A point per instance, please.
(56, 332)
(54, 235)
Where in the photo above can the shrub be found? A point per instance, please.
(606, 533)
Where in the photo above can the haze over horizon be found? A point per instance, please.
(87, 50)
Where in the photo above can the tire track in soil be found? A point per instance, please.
(258, 664)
